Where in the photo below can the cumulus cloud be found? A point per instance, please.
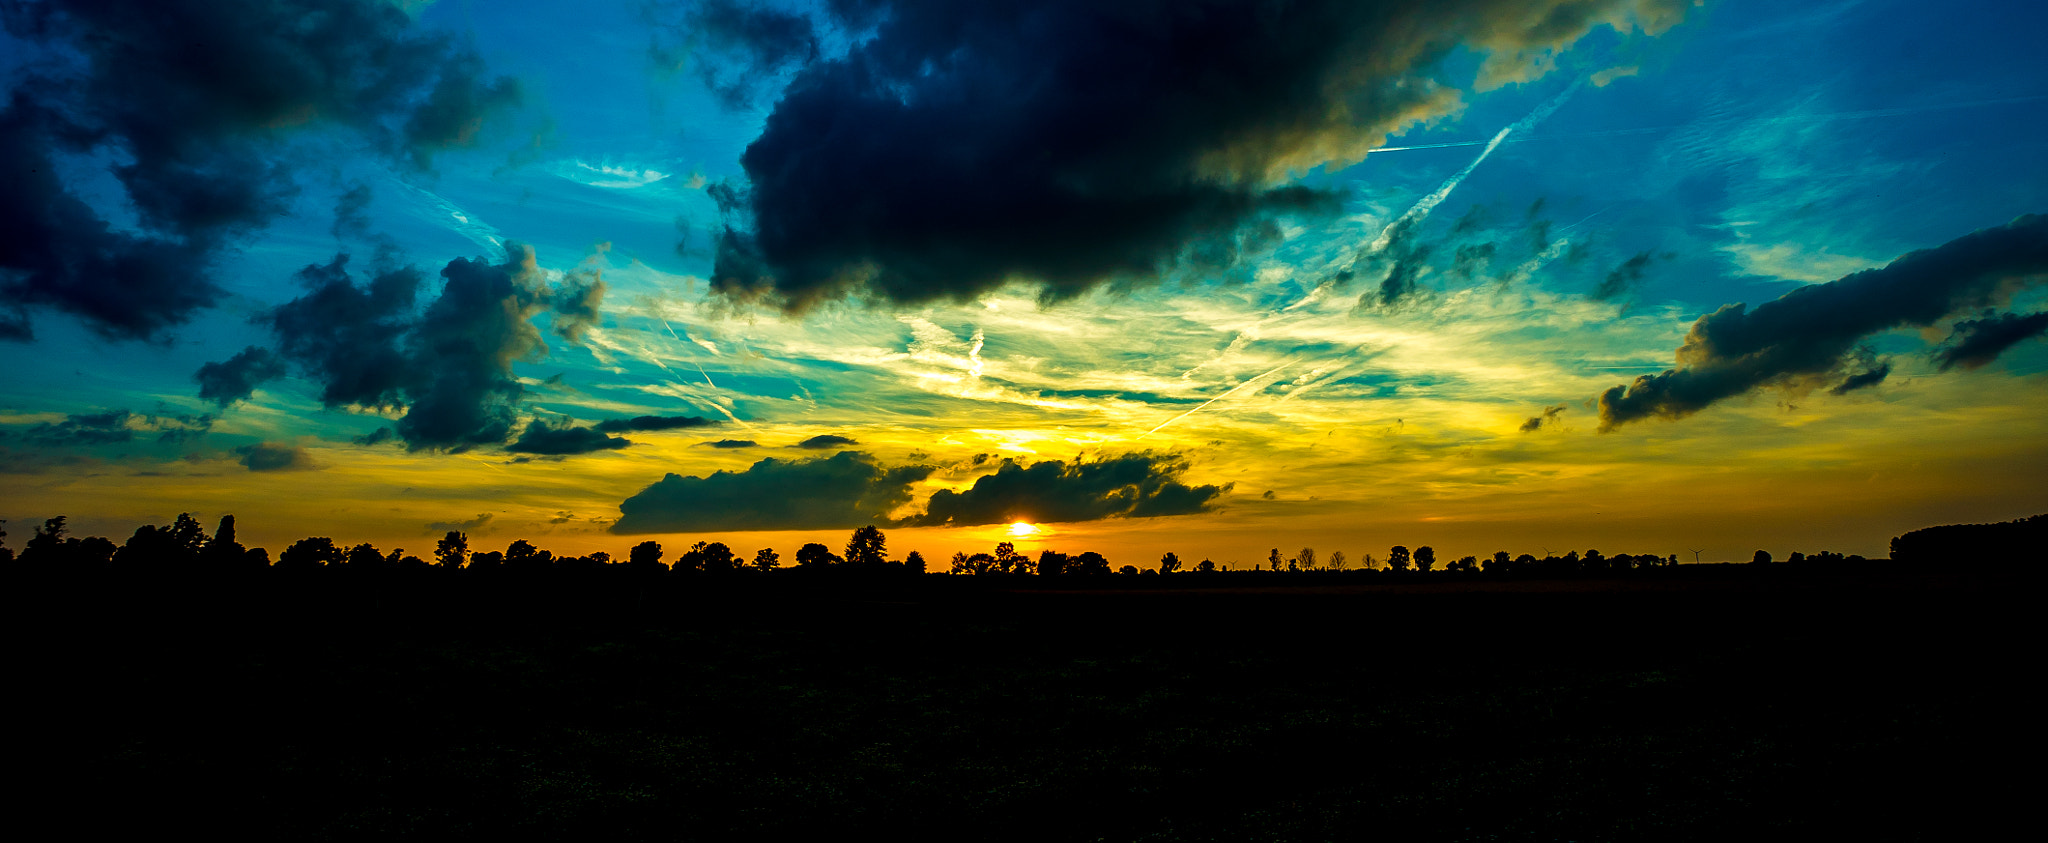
(1804, 337)
(540, 439)
(825, 441)
(115, 427)
(275, 456)
(1071, 142)
(449, 368)
(1624, 279)
(1549, 417)
(1979, 341)
(1136, 485)
(847, 489)
(197, 101)
(236, 379)
(652, 423)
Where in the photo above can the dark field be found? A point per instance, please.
(1708, 706)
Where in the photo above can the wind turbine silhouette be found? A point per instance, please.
(1695, 555)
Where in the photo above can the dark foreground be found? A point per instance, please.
(1850, 707)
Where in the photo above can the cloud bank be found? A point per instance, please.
(448, 368)
(847, 489)
(196, 102)
(1071, 142)
(1805, 336)
(1139, 485)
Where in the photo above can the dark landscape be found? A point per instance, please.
(1867, 701)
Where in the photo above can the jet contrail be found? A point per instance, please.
(1226, 394)
(1649, 130)
(1420, 210)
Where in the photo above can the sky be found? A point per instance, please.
(1641, 276)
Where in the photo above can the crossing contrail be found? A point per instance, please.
(1227, 393)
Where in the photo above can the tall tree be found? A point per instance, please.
(1169, 563)
(867, 548)
(645, 556)
(1397, 557)
(814, 555)
(1425, 558)
(452, 550)
(767, 560)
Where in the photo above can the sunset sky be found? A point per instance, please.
(1645, 276)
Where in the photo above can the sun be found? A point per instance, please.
(1023, 530)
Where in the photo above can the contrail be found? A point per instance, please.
(1420, 210)
(1227, 393)
(1810, 118)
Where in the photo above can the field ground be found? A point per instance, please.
(1709, 708)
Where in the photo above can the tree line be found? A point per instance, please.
(185, 546)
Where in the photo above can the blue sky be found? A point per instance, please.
(1374, 364)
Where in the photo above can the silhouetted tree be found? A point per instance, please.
(1207, 567)
(1169, 563)
(452, 550)
(1273, 559)
(1397, 558)
(1462, 564)
(867, 548)
(1499, 562)
(1052, 563)
(1762, 557)
(1128, 570)
(815, 555)
(1594, 561)
(645, 556)
(766, 559)
(1425, 558)
(363, 557)
(708, 557)
(1007, 557)
(523, 557)
(914, 563)
(309, 553)
(1088, 562)
(1305, 560)
(1337, 560)
(223, 554)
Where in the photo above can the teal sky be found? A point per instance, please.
(1223, 290)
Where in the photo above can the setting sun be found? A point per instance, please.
(1023, 530)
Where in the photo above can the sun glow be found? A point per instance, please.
(1022, 530)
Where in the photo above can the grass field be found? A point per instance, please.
(1709, 708)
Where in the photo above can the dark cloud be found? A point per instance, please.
(1073, 142)
(352, 212)
(1400, 266)
(1471, 259)
(651, 423)
(1976, 342)
(1805, 336)
(350, 338)
(376, 437)
(734, 48)
(1549, 416)
(275, 456)
(1130, 486)
(847, 489)
(1624, 278)
(733, 443)
(824, 441)
(117, 427)
(566, 440)
(450, 367)
(1872, 374)
(198, 101)
(575, 303)
(478, 525)
(237, 378)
